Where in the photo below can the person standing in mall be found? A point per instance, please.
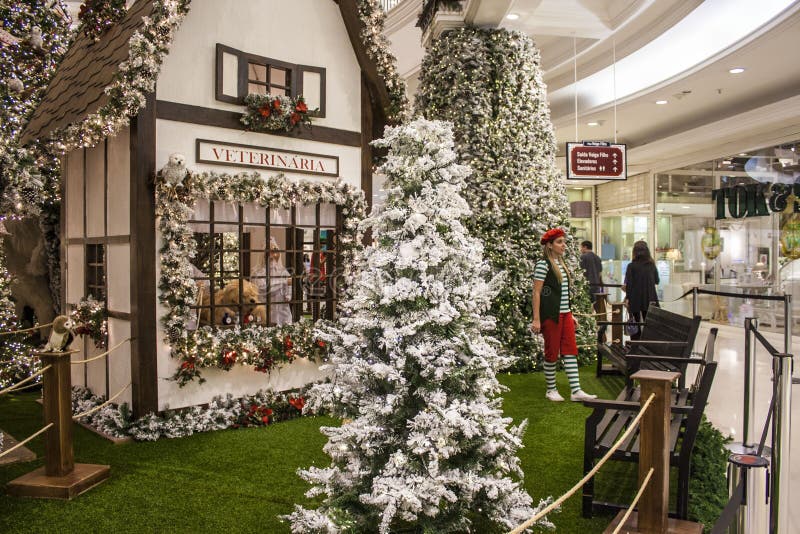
(641, 278)
(553, 318)
(592, 267)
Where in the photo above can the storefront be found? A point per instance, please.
(730, 224)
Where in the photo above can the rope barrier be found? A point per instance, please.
(21, 443)
(31, 329)
(106, 353)
(99, 406)
(625, 517)
(23, 381)
(590, 474)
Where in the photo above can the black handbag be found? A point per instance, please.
(632, 328)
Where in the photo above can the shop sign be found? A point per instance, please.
(232, 155)
(593, 160)
(755, 200)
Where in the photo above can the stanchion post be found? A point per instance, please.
(695, 306)
(57, 388)
(748, 416)
(654, 449)
(788, 320)
(781, 432)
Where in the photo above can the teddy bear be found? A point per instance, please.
(227, 304)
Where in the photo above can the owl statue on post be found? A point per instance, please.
(61, 336)
(175, 170)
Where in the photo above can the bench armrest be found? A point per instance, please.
(674, 359)
(630, 406)
(605, 404)
(658, 343)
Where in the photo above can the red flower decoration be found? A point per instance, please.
(301, 107)
(264, 111)
(187, 365)
(276, 104)
(287, 342)
(321, 343)
(229, 357)
(298, 403)
(294, 118)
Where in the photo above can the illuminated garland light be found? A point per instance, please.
(91, 319)
(489, 85)
(98, 16)
(261, 347)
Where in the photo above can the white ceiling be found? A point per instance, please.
(704, 99)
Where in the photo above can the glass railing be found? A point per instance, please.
(388, 5)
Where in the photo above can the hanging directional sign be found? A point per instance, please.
(596, 160)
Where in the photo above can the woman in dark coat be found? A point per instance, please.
(641, 278)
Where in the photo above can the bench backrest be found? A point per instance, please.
(664, 325)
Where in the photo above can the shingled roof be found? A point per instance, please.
(77, 89)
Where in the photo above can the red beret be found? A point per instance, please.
(552, 235)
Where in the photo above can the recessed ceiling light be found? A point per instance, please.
(686, 207)
(578, 188)
(661, 102)
(736, 70)
(512, 16)
(742, 153)
(726, 162)
(593, 123)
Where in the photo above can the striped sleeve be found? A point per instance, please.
(540, 270)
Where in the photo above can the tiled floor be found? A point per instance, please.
(725, 406)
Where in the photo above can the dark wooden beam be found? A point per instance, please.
(144, 356)
(366, 139)
(374, 81)
(221, 118)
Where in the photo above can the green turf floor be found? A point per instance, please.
(241, 480)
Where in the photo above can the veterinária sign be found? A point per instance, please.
(219, 153)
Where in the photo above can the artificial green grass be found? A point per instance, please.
(241, 480)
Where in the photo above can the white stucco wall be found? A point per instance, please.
(306, 32)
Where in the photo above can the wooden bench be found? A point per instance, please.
(664, 334)
(611, 418)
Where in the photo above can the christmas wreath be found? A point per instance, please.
(270, 113)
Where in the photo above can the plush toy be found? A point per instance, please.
(35, 38)
(226, 301)
(175, 170)
(61, 335)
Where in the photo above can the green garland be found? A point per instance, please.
(261, 347)
(91, 319)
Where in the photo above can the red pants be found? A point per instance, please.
(559, 337)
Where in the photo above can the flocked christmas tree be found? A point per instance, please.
(489, 84)
(426, 447)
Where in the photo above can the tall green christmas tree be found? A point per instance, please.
(488, 83)
(36, 35)
(428, 448)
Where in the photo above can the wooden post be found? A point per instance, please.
(616, 316)
(56, 385)
(654, 449)
(61, 477)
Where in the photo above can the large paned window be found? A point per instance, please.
(267, 266)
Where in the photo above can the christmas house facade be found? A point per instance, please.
(211, 271)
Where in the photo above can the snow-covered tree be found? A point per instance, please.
(489, 84)
(424, 445)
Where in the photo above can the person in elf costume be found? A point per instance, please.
(553, 318)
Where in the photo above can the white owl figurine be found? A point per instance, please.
(175, 170)
(15, 85)
(35, 38)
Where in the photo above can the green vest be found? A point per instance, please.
(550, 299)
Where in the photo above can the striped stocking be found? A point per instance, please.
(550, 375)
(571, 367)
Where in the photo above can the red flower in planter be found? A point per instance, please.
(276, 104)
(294, 119)
(297, 402)
(301, 107)
(229, 357)
(265, 111)
(287, 342)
